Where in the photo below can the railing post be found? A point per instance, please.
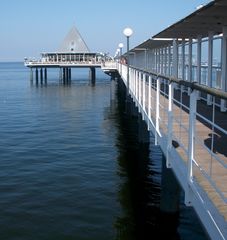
(170, 123)
(144, 82)
(175, 58)
(130, 81)
(157, 111)
(224, 67)
(169, 61)
(145, 57)
(170, 102)
(149, 97)
(199, 44)
(127, 81)
(199, 53)
(149, 102)
(191, 144)
(156, 60)
(165, 61)
(124, 74)
(210, 65)
(139, 82)
(161, 60)
(133, 82)
(190, 63)
(183, 58)
(136, 82)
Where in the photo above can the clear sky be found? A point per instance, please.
(29, 27)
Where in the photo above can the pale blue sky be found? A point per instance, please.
(29, 27)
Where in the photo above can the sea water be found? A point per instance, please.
(71, 166)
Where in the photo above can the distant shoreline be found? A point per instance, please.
(11, 61)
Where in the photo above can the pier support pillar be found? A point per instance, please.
(60, 74)
(31, 75)
(70, 74)
(41, 75)
(92, 75)
(36, 75)
(143, 133)
(45, 74)
(170, 191)
(64, 74)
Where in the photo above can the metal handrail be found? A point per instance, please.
(192, 85)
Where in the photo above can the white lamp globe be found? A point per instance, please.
(128, 32)
(121, 45)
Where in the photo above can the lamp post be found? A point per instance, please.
(120, 45)
(128, 33)
(118, 52)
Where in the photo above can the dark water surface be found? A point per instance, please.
(71, 166)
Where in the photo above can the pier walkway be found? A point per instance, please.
(183, 101)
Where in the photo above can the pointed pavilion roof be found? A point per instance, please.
(73, 43)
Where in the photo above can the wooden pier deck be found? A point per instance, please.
(206, 164)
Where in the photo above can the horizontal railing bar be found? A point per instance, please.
(211, 123)
(197, 139)
(192, 85)
(181, 104)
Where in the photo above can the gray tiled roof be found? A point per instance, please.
(73, 43)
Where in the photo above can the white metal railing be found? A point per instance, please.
(103, 64)
(60, 62)
(109, 64)
(178, 116)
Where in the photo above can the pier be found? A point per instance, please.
(178, 98)
(182, 100)
(73, 53)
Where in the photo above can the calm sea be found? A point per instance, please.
(71, 166)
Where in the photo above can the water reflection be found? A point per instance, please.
(133, 169)
(139, 193)
(142, 173)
